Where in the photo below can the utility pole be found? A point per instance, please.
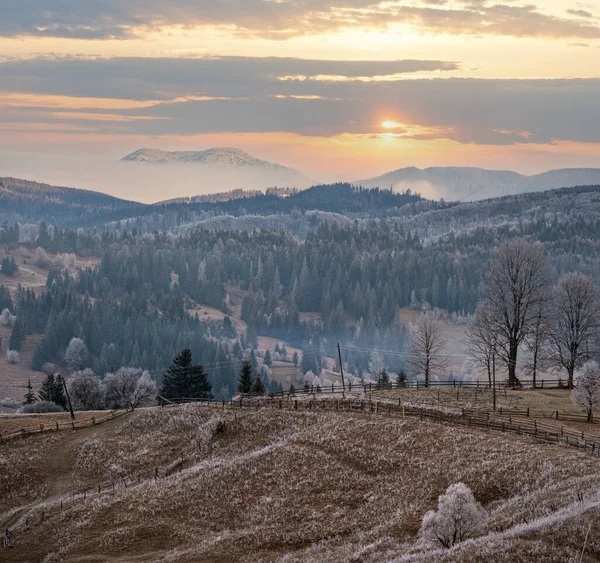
(494, 378)
(342, 371)
(68, 397)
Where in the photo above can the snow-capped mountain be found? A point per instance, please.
(225, 165)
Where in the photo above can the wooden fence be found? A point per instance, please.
(58, 426)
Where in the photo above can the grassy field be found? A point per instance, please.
(290, 486)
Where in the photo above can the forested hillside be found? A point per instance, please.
(27, 202)
(334, 277)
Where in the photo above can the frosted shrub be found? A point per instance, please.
(129, 388)
(48, 368)
(6, 318)
(41, 407)
(86, 391)
(8, 402)
(12, 356)
(586, 392)
(459, 517)
(41, 259)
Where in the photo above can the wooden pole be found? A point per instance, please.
(342, 371)
(68, 397)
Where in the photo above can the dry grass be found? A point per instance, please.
(15, 423)
(292, 486)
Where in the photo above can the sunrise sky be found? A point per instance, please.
(341, 89)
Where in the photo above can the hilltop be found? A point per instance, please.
(270, 485)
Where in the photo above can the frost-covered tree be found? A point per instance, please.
(6, 318)
(586, 392)
(376, 365)
(129, 388)
(576, 326)
(482, 341)
(516, 284)
(86, 391)
(459, 517)
(425, 351)
(76, 354)
(12, 356)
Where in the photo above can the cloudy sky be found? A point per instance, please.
(341, 89)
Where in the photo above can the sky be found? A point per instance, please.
(340, 89)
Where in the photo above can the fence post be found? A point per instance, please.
(455, 383)
(528, 412)
(296, 404)
(542, 383)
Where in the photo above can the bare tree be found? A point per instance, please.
(458, 518)
(482, 339)
(536, 342)
(425, 350)
(129, 388)
(576, 321)
(586, 393)
(516, 284)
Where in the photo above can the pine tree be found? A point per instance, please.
(267, 360)
(52, 390)
(384, 378)
(184, 380)
(17, 336)
(258, 388)
(295, 359)
(245, 380)
(401, 379)
(30, 395)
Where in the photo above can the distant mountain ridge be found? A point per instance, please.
(470, 184)
(263, 173)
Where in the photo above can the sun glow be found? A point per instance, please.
(391, 125)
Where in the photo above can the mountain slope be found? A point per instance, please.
(456, 183)
(223, 162)
(25, 201)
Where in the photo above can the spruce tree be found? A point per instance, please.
(184, 380)
(258, 387)
(384, 378)
(29, 395)
(267, 360)
(52, 390)
(401, 379)
(17, 336)
(245, 380)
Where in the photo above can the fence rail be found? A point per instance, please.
(58, 426)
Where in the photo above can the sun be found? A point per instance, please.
(391, 125)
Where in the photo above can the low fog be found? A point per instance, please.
(143, 182)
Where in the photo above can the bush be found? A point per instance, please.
(41, 259)
(12, 356)
(41, 408)
(9, 403)
(458, 518)
(7, 319)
